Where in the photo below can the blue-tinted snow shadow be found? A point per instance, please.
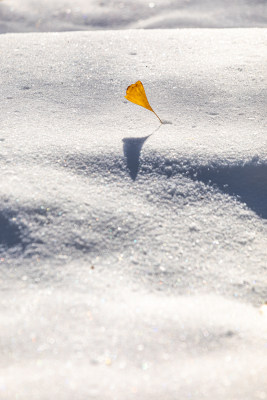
(246, 182)
(10, 234)
(131, 149)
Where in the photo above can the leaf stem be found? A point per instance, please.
(158, 117)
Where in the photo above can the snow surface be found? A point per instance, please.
(66, 15)
(133, 267)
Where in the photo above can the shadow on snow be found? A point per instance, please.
(247, 182)
(131, 149)
(10, 235)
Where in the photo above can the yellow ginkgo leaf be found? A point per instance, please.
(136, 94)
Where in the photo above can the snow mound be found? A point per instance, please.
(133, 257)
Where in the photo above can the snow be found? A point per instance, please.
(133, 254)
(67, 15)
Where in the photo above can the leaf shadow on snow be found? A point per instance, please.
(10, 232)
(247, 182)
(131, 149)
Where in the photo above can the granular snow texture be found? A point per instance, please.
(133, 256)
